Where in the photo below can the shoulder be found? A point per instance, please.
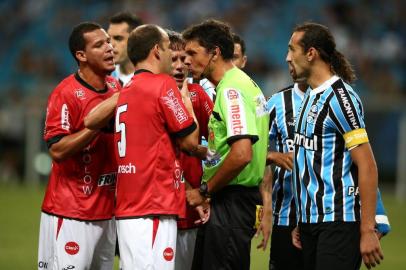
(65, 87)
(344, 92)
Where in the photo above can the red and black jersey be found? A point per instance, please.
(192, 166)
(150, 114)
(82, 186)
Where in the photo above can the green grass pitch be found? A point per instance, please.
(20, 213)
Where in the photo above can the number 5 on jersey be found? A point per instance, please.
(120, 128)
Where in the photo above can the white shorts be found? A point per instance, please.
(73, 244)
(147, 243)
(185, 248)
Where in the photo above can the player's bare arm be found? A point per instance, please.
(283, 160)
(368, 181)
(266, 222)
(71, 144)
(240, 155)
(102, 113)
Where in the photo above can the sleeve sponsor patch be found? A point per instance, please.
(65, 117)
(236, 118)
(172, 102)
(355, 137)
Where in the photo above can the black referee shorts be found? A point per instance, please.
(284, 255)
(224, 242)
(331, 245)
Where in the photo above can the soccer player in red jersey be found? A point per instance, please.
(152, 117)
(191, 165)
(76, 227)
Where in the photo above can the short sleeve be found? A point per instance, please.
(348, 117)
(177, 119)
(205, 108)
(239, 116)
(271, 108)
(60, 118)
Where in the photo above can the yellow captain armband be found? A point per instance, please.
(355, 137)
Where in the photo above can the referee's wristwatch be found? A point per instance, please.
(204, 189)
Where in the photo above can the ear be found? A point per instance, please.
(81, 56)
(216, 53)
(156, 52)
(311, 54)
(244, 61)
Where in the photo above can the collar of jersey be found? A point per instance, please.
(298, 91)
(324, 85)
(228, 73)
(88, 86)
(138, 71)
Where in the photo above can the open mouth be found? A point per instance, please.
(109, 59)
(179, 76)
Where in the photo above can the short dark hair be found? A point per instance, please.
(142, 40)
(319, 37)
(126, 17)
(177, 42)
(237, 39)
(77, 40)
(211, 34)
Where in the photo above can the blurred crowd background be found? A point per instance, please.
(34, 57)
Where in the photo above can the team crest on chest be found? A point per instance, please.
(312, 115)
(80, 94)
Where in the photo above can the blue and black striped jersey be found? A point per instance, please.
(330, 123)
(282, 107)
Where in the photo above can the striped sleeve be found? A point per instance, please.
(271, 108)
(348, 115)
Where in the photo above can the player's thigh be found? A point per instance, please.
(338, 246)
(283, 254)
(185, 246)
(84, 245)
(104, 245)
(47, 241)
(147, 243)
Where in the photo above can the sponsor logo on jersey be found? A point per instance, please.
(71, 248)
(178, 175)
(289, 144)
(127, 168)
(237, 123)
(43, 265)
(80, 94)
(352, 191)
(107, 179)
(292, 122)
(173, 104)
(347, 106)
(168, 254)
(65, 117)
(306, 142)
(68, 267)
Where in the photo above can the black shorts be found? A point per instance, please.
(224, 242)
(284, 255)
(331, 245)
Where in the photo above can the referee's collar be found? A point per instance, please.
(324, 85)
